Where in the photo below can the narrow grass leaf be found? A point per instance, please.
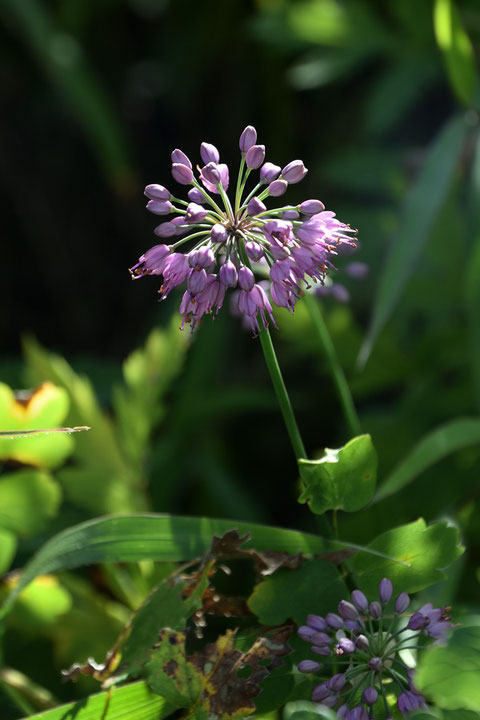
(421, 208)
(443, 441)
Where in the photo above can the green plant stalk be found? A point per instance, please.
(282, 394)
(335, 368)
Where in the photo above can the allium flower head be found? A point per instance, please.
(291, 245)
(364, 640)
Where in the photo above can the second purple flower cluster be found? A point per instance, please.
(230, 239)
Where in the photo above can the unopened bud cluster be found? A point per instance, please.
(364, 640)
(225, 236)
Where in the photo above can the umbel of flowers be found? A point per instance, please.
(363, 641)
(219, 243)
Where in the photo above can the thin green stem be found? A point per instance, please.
(282, 394)
(334, 365)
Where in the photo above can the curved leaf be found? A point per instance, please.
(433, 447)
(134, 701)
(128, 538)
(457, 49)
(421, 208)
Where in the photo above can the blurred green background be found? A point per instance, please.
(380, 100)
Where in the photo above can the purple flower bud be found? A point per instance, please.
(353, 626)
(337, 682)
(151, 262)
(311, 207)
(246, 278)
(277, 188)
(357, 270)
(339, 292)
(196, 281)
(330, 701)
(228, 274)
(201, 258)
(269, 172)
(254, 250)
(418, 621)
(157, 192)
(334, 621)
(166, 229)
(370, 696)
(345, 647)
(309, 666)
(306, 633)
(321, 638)
(290, 215)
(321, 650)
(179, 157)
(375, 610)
(317, 622)
(196, 196)
(347, 611)
(255, 156)
(255, 206)
(209, 153)
(342, 711)
(218, 233)
(402, 602)
(362, 642)
(375, 664)
(195, 213)
(385, 590)
(248, 138)
(294, 172)
(182, 174)
(211, 173)
(160, 207)
(359, 600)
(320, 692)
(408, 702)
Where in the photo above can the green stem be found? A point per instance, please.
(334, 365)
(282, 394)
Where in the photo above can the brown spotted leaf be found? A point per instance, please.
(207, 683)
(266, 561)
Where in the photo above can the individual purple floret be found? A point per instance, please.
(293, 244)
(361, 644)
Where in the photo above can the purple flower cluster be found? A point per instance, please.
(366, 639)
(291, 245)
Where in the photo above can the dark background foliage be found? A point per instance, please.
(97, 94)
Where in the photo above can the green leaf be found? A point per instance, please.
(449, 675)
(343, 479)
(8, 546)
(164, 607)
(131, 702)
(446, 439)
(472, 280)
(148, 536)
(422, 205)
(45, 407)
(457, 50)
(420, 552)
(291, 594)
(171, 675)
(101, 480)
(28, 498)
(306, 710)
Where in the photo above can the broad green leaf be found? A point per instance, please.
(457, 50)
(343, 479)
(316, 586)
(164, 607)
(149, 536)
(148, 373)
(8, 546)
(306, 710)
(44, 407)
(446, 439)
(28, 498)
(422, 205)
(131, 702)
(420, 552)
(449, 675)
(101, 480)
